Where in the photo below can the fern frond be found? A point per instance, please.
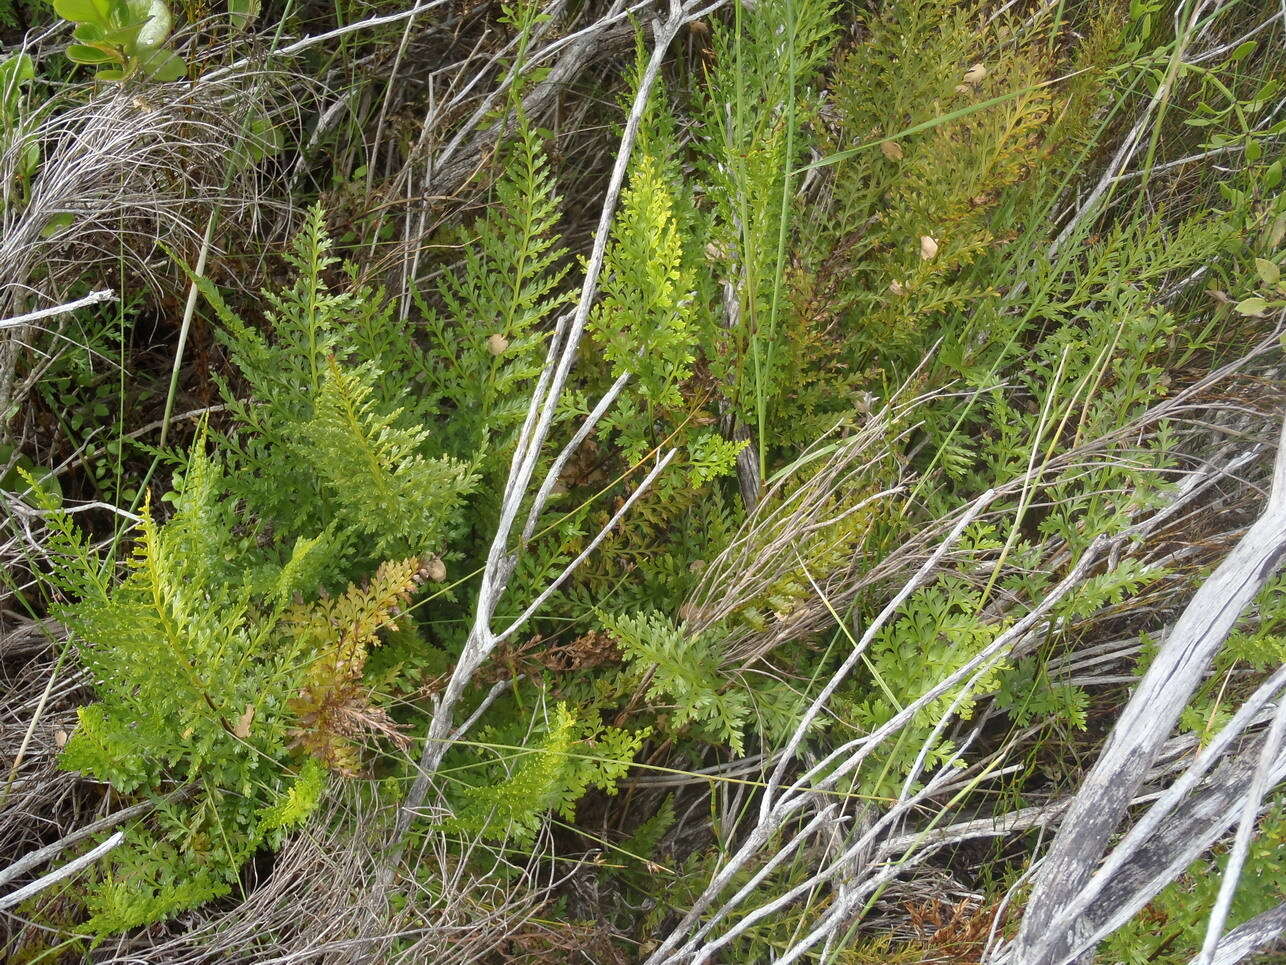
(643, 322)
(498, 304)
(374, 470)
(549, 775)
(686, 669)
(337, 634)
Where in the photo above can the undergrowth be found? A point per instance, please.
(859, 277)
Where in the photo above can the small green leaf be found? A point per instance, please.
(1252, 307)
(14, 72)
(1269, 272)
(1231, 194)
(125, 37)
(88, 33)
(20, 469)
(242, 13)
(56, 224)
(84, 54)
(1243, 51)
(1273, 176)
(163, 65)
(157, 22)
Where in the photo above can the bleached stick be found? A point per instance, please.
(66, 871)
(41, 855)
(93, 298)
(1256, 935)
(1245, 831)
(1147, 721)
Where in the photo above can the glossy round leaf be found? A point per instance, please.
(157, 25)
(83, 11)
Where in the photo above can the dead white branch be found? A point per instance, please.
(1145, 724)
(41, 855)
(1257, 935)
(502, 557)
(66, 871)
(93, 298)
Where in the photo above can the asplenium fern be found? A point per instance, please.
(372, 466)
(683, 669)
(1026, 693)
(643, 321)
(219, 699)
(495, 310)
(939, 631)
(550, 773)
(332, 706)
(325, 442)
(211, 681)
(190, 668)
(919, 62)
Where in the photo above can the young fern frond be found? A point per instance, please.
(684, 668)
(643, 322)
(399, 500)
(552, 773)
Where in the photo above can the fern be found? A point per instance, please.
(497, 305)
(293, 805)
(685, 669)
(325, 443)
(188, 666)
(938, 632)
(643, 321)
(373, 468)
(332, 706)
(192, 658)
(1026, 693)
(550, 774)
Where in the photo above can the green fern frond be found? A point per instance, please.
(498, 305)
(643, 322)
(374, 469)
(550, 774)
(685, 669)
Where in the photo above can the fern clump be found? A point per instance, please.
(229, 681)
(191, 669)
(325, 442)
(195, 672)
